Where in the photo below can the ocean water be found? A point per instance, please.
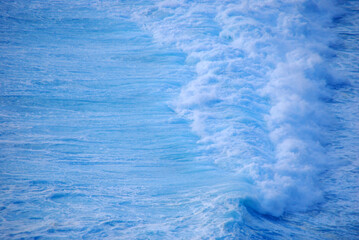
(178, 119)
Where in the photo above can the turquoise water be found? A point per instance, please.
(179, 120)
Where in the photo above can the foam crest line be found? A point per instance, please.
(257, 102)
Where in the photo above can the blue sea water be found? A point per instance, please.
(178, 119)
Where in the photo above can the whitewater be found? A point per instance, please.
(178, 119)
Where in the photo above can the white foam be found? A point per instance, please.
(256, 102)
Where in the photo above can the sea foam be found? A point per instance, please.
(258, 99)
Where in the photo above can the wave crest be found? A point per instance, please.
(258, 100)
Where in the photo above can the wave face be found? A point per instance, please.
(178, 119)
(259, 98)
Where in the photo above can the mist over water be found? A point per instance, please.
(179, 119)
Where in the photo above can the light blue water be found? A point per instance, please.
(179, 119)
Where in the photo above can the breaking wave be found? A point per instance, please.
(259, 99)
